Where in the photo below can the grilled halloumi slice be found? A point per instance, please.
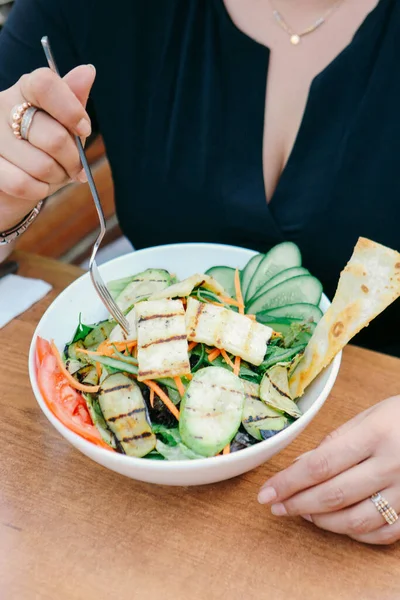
(119, 335)
(124, 411)
(162, 339)
(185, 288)
(226, 329)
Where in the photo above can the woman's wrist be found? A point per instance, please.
(11, 234)
(5, 251)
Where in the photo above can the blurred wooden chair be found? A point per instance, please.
(68, 224)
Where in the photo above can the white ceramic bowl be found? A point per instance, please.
(59, 323)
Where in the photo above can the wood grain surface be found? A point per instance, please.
(71, 530)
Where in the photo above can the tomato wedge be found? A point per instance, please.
(64, 402)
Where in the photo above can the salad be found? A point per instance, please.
(214, 363)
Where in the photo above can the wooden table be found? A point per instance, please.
(71, 530)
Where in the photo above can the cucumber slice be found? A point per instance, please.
(142, 286)
(280, 257)
(248, 272)
(211, 410)
(280, 278)
(226, 277)
(303, 311)
(124, 411)
(304, 288)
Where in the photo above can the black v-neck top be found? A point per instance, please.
(179, 99)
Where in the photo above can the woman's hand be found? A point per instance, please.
(332, 485)
(31, 170)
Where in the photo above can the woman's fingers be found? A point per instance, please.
(17, 183)
(321, 464)
(46, 90)
(32, 160)
(362, 521)
(53, 139)
(347, 426)
(346, 489)
(80, 81)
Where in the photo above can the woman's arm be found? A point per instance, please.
(31, 170)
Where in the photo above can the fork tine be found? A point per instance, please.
(107, 299)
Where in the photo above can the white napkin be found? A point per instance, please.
(17, 294)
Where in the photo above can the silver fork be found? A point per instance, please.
(95, 276)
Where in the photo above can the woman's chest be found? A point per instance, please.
(193, 141)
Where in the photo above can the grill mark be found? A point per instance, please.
(221, 387)
(126, 386)
(148, 280)
(128, 414)
(252, 396)
(140, 436)
(182, 366)
(173, 338)
(197, 316)
(159, 316)
(278, 389)
(259, 418)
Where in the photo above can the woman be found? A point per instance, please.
(202, 149)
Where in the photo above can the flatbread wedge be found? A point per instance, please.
(367, 285)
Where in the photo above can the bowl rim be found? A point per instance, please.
(157, 465)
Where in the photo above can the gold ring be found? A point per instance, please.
(384, 508)
(17, 117)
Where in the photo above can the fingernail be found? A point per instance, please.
(82, 176)
(267, 495)
(307, 518)
(92, 67)
(83, 128)
(278, 510)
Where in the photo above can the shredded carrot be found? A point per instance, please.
(152, 398)
(214, 354)
(120, 346)
(236, 369)
(238, 290)
(189, 376)
(163, 397)
(252, 317)
(89, 389)
(180, 386)
(95, 352)
(227, 359)
(103, 347)
(192, 345)
(228, 300)
(276, 334)
(98, 370)
(227, 449)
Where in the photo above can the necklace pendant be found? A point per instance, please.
(295, 39)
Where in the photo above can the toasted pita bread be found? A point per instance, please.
(368, 284)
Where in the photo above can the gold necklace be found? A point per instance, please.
(295, 38)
